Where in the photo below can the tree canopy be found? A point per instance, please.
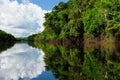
(77, 18)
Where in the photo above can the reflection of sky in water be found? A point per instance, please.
(22, 62)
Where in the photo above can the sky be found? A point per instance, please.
(45, 4)
(22, 18)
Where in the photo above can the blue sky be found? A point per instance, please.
(46, 4)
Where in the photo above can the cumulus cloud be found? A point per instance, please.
(21, 19)
(21, 61)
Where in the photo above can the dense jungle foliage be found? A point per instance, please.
(78, 18)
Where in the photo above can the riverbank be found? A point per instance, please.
(88, 42)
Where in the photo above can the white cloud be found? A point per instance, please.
(21, 61)
(22, 19)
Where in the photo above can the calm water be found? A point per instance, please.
(47, 62)
(23, 62)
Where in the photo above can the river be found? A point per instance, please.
(22, 61)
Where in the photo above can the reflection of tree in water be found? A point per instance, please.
(65, 63)
(5, 45)
(83, 64)
(6, 40)
(102, 64)
(113, 62)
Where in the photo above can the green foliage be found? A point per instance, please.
(92, 22)
(76, 18)
(47, 34)
(31, 37)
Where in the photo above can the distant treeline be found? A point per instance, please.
(5, 37)
(79, 18)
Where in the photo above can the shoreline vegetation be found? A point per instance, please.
(6, 38)
(87, 41)
(76, 22)
(89, 22)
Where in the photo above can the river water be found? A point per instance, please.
(21, 61)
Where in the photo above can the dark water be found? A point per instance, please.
(54, 62)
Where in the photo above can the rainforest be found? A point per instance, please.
(80, 41)
(82, 20)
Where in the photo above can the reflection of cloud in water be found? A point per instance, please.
(21, 61)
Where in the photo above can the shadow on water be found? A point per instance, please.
(96, 62)
(5, 45)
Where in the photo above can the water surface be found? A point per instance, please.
(56, 62)
(23, 62)
(84, 62)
